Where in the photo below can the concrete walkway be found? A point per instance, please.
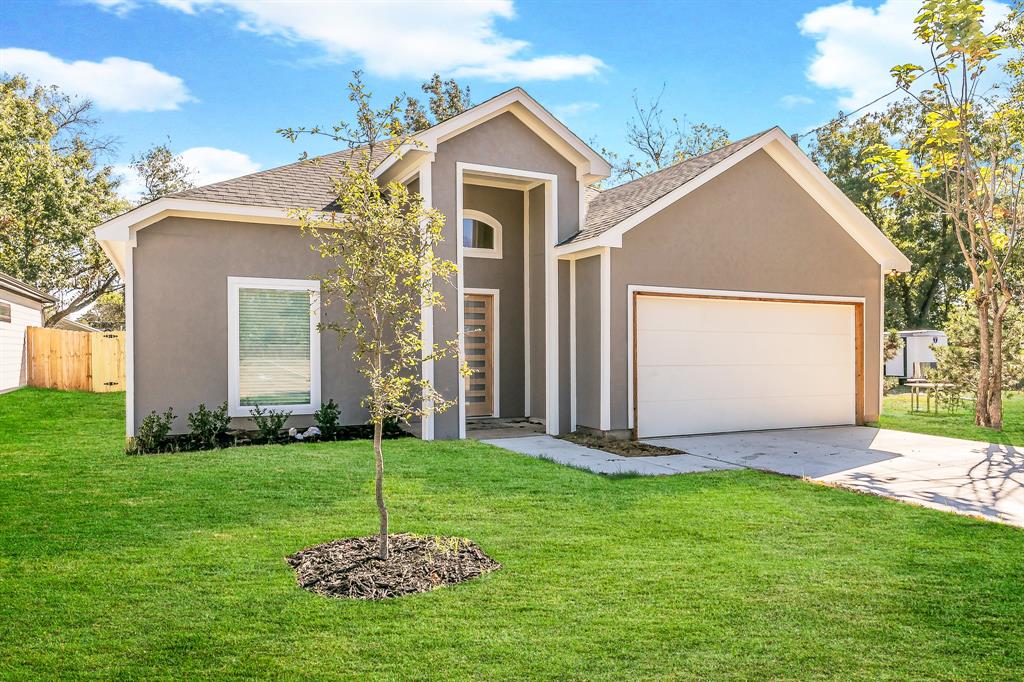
(601, 462)
(966, 477)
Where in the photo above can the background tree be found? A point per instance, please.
(52, 193)
(162, 172)
(922, 297)
(381, 271)
(656, 142)
(971, 143)
(107, 313)
(445, 99)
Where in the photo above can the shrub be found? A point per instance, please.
(326, 419)
(152, 433)
(269, 423)
(207, 427)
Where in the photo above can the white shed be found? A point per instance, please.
(915, 355)
(21, 306)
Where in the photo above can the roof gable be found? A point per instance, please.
(616, 211)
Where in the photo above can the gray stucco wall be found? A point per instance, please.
(181, 266)
(506, 275)
(588, 342)
(751, 229)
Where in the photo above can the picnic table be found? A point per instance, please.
(929, 388)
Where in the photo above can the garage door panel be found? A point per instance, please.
(744, 381)
(706, 365)
(710, 416)
(666, 347)
(716, 315)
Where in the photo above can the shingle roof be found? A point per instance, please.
(303, 184)
(607, 208)
(16, 286)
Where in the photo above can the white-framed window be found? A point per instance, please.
(481, 235)
(273, 345)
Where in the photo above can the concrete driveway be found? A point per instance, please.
(967, 477)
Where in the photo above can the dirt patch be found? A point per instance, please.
(626, 448)
(417, 563)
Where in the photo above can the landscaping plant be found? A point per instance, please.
(206, 428)
(152, 433)
(381, 274)
(269, 423)
(327, 417)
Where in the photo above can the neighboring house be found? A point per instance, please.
(74, 326)
(736, 290)
(916, 355)
(21, 306)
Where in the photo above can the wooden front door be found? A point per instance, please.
(479, 344)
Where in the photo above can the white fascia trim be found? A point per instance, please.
(791, 159)
(472, 252)
(641, 288)
(553, 131)
(119, 229)
(495, 346)
(460, 303)
(572, 345)
(234, 285)
(427, 316)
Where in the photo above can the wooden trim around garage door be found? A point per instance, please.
(858, 341)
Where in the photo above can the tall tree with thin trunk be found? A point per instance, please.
(970, 141)
(381, 273)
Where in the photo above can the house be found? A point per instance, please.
(736, 290)
(916, 354)
(21, 306)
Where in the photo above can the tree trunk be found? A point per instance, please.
(981, 403)
(381, 507)
(995, 387)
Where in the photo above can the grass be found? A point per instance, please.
(171, 566)
(896, 414)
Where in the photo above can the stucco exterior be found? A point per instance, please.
(751, 229)
(180, 336)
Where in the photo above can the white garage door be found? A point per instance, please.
(710, 365)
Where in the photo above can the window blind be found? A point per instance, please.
(274, 347)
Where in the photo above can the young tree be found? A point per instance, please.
(922, 297)
(52, 193)
(162, 172)
(657, 143)
(381, 272)
(969, 141)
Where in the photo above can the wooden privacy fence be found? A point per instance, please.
(75, 361)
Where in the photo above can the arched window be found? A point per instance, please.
(481, 235)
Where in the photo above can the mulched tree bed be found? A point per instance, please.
(626, 448)
(417, 563)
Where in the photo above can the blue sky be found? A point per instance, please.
(219, 76)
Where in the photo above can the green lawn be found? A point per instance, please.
(171, 566)
(896, 414)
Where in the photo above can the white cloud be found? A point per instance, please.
(402, 38)
(116, 83)
(856, 46)
(794, 101)
(574, 109)
(210, 165)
